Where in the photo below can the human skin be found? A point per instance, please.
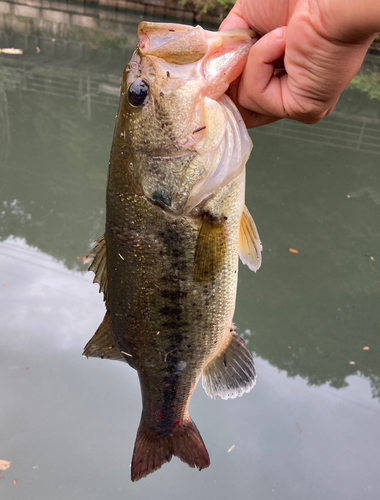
(319, 44)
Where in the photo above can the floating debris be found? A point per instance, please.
(293, 250)
(85, 260)
(298, 428)
(232, 447)
(4, 464)
(14, 482)
(11, 51)
(366, 348)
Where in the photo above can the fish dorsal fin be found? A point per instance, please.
(250, 246)
(99, 265)
(232, 372)
(210, 249)
(102, 344)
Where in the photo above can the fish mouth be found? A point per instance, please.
(181, 44)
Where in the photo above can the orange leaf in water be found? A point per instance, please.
(293, 250)
(366, 348)
(85, 260)
(4, 464)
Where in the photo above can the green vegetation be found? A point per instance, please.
(218, 8)
(98, 39)
(367, 82)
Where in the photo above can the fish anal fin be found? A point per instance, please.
(102, 344)
(232, 372)
(250, 246)
(152, 450)
(211, 248)
(99, 265)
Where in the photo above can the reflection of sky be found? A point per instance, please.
(76, 419)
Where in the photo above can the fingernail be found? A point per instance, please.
(278, 32)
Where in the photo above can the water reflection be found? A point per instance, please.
(315, 191)
(306, 315)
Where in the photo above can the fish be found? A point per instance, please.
(176, 224)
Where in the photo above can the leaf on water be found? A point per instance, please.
(366, 348)
(293, 250)
(4, 464)
(85, 259)
(12, 51)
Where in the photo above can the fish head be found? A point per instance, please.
(172, 117)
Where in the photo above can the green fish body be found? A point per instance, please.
(176, 224)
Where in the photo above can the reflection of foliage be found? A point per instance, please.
(54, 180)
(9, 78)
(368, 82)
(97, 39)
(312, 314)
(218, 7)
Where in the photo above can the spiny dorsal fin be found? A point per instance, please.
(231, 373)
(210, 250)
(99, 266)
(102, 344)
(250, 246)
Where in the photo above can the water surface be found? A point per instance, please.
(310, 428)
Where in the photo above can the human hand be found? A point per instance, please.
(321, 45)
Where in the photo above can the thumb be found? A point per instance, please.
(260, 88)
(235, 19)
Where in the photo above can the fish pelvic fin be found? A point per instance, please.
(152, 450)
(102, 344)
(232, 372)
(250, 246)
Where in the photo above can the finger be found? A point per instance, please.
(234, 19)
(257, 120)
(260, 89)
(251, 119)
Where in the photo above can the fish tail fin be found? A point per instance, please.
(188, 445)
(152, 451)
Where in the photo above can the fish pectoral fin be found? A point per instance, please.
(102, 344)
(250, 246)
(211, 247)
(232, 372)
(99, 265)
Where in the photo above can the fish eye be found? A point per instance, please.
(138, 92)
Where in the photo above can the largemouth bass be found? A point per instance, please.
(176, 224)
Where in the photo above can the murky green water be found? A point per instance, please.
(311, 427)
